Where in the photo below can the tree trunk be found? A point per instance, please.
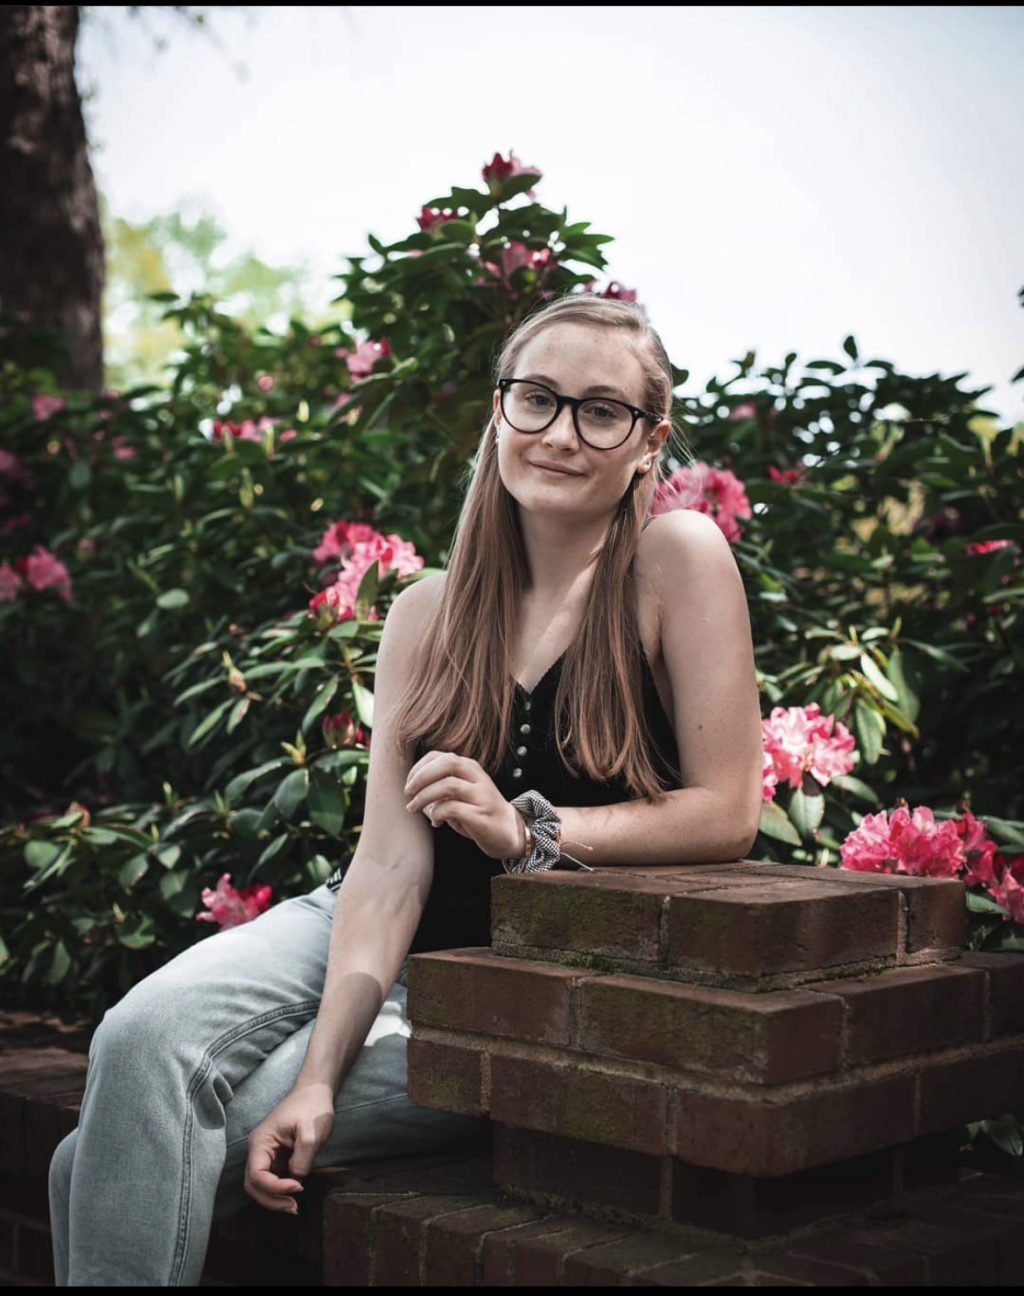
(51, 245)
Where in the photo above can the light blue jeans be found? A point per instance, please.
(183, 1067)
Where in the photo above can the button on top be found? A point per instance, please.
(520, 751)
(524, 729)
(517, 773)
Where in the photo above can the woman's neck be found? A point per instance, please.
(560, 553)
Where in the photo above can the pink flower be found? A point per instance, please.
(247, 430)
(799, 741)
(787, 476)
(43, 571)
(10, 583)
(979, 850)
(229, 907)
(714, 491)
(9, 465)
(121, 449)
(769, 779)
(614, 291)
(265, 382)
(342, 731)
(744, 410)
(497, 171)
(517, 255)
(361, 361)
(1008, 890)
(431, 216)
(988, 546)
(358, 546)
(910, 842)
(44, 407)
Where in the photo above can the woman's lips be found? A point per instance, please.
(555, 469)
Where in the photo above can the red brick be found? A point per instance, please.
(884, 1265)
(935, 912)
(536, 1256)
(349, 1237)
(578, 1102)
(1005, 974)
(398, 1235)
(753, 1206)
(613, 1264)
(955, 1255)
(971, 1086)
(613, 916)
(909, 1010)
(479, 991)
(781, 927)
(34, 1253)
(453, 1247)
(749, 1135)
(811, 1270)
(500, 1249)
(767, 1038)
(576, 1173)
(705, 1268)
(446, 1076)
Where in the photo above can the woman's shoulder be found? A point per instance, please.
(417, 603)
(677, 540)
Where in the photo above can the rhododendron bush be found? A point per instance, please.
(194, 578)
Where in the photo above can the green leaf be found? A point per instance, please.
(1007, 832)
(171, 599)
(238, 713)
(317, 707)
(167, 853)
(137, 932)
(939, 654)
(364, 703)
(870, 729)
(850, 346)
(343, 759)
(326, 802)
(205, 726)
(39, 854)
(874, 674)
(807, 809)
(60, 965)
(901, 676)
(135, 868)
(367, 592)
(1005, 1133)
(983, 904)
(775, 823)
(856, 787)
(80, 475)
(291, 792)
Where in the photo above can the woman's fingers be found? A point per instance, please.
(448, 788)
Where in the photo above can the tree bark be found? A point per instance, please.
(51, 245)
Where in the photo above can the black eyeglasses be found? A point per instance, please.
(601, 423)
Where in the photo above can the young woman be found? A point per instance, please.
(577, 688)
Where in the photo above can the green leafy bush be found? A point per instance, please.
(184, 713)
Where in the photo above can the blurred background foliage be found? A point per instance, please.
(184, 714)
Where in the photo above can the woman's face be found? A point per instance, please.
(554, 471)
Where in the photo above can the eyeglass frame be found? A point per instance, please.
(574, 403)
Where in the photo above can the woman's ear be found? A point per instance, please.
(654, 443)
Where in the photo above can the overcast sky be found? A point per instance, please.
(775, 177)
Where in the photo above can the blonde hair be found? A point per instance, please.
(461, 695)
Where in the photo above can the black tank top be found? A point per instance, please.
(458, 909)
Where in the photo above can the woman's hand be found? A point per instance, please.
(284, 1144)
(458, 791)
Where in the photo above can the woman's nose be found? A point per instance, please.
(562, 430)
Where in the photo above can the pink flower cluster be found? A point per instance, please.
(715, 491)
(430, 217)
(800, 740)
(514, 256)
(44, 407)
(229, 907)
(361, 361)
(614, 292)
(914, 842)
(40, 570)
(497, 171)
(988, 546)
(341, 730)
(358, 546)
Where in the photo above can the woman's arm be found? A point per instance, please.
(378, 908)
(686, 565)
(686, 569)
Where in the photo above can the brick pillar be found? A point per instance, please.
(743, 1046)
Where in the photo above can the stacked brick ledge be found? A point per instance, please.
(739, 1075)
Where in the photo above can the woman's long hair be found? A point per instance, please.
(460, 698)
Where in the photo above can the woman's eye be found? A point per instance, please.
(540, 400)
(602, 413)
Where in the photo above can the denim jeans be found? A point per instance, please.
(183, 1067)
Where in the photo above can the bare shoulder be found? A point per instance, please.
(417, 603)
(680, 548)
